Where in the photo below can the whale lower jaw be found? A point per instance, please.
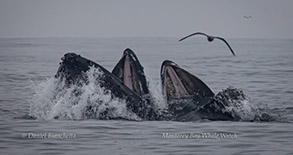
(130, 71)
(188, 98)
(73, 68)
(177, 82)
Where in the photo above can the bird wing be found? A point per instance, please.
(193, 35)
(226, 44)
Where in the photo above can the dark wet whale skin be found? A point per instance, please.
(190, 108)
(139, 83)
(72, 70)
(198, 101)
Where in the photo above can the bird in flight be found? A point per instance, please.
(210, 39)
(247, 17)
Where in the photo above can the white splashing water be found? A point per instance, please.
(53, 100)
(244, 109)
(155, 89)
(157, 96)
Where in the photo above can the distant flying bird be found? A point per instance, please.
(247, 17)
(210, 39)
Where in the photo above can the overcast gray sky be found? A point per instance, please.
(146, 18)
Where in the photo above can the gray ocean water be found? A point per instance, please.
(262, 68)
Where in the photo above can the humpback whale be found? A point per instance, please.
(72, 70)
(188, 98)
(210, 39)
(130, 71)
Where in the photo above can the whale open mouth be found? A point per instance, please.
(130, 71)
(178, 83)
(73, 70)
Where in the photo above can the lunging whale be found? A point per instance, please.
(187, 97)
(130, 71)
(190, 99)
(73, 68)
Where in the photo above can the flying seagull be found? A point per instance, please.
(210, 39)
(247, 17)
